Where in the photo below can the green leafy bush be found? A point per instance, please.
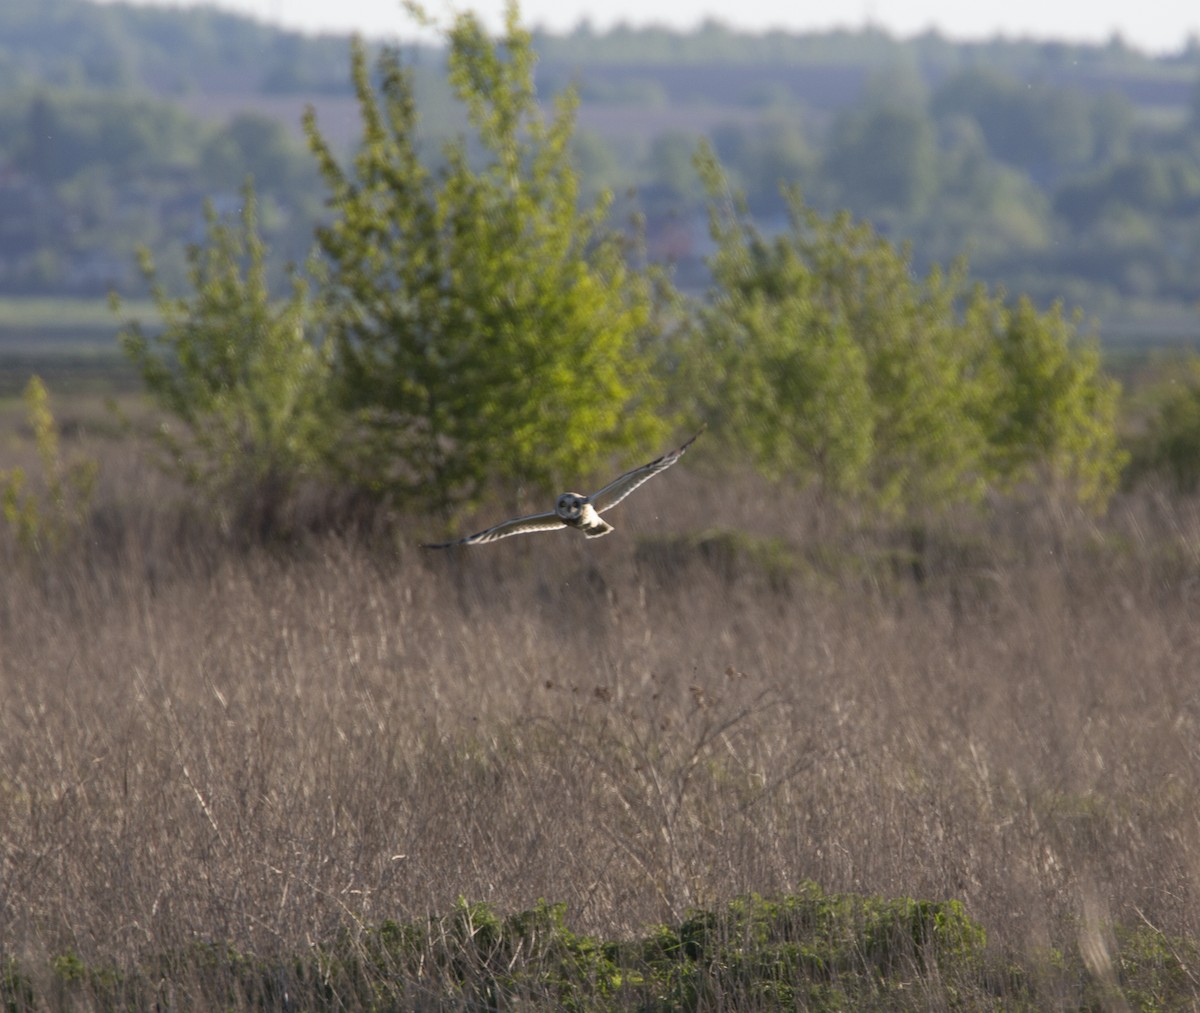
(805, 950)
(47, 510)
(1170, 445)
(238, 372)
(1048, 410)
(822, 355)
(485, 329)
(811, 950)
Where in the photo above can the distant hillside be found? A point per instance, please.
(165, 50)
(175, 51)
(828, 69)
(1064, 171)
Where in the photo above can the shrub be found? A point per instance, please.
(238, 371)
(812, 949)
(46, 511)
(1170, 445)
(822, 355)
(485, 329)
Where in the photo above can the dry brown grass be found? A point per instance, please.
(264, 748)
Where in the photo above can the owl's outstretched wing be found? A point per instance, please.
(516, 526)
(618, 489)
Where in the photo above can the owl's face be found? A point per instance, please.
(569, 506)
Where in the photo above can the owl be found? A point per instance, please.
(575, 511)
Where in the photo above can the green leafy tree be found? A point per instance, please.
(764, 157)
(859, 378)
(1043, 129)
(982, 204)
(237, 372)
(837, 364)
(884, 157)
(1049, 410)
(921, 366)
(67, 133)
(781, 376)
(485, 329)
(255, 145)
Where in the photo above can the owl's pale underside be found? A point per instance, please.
(573, 510)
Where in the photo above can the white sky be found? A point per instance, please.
(1154, 25)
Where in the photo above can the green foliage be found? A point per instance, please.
(1048, 408)
(237, 372)
(16, 989)
(787, 378)
(811, 949)
(484, 328)
(884, 157)
(1155, 970)
(255, 145)
(1045, 128)
(89, 108)
(835, 366)
(95, 174)
(101, 46)
(475, 957)
(64, 134)
(46, 512)
(215, 976)
(982, 205)
(806, 950)
(1170, 445)
(919, 367)
(1153, 184)
(763, 157)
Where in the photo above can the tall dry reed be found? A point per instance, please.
(270, 746)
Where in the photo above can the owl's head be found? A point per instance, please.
(569, 506)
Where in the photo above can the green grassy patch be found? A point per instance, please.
(809, 950)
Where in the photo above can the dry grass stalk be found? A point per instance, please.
(266, 748)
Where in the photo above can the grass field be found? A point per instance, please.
(70, 343)
(271, 753)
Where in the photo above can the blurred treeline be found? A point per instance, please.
(1063, 171)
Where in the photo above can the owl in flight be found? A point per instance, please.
(575, 511)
